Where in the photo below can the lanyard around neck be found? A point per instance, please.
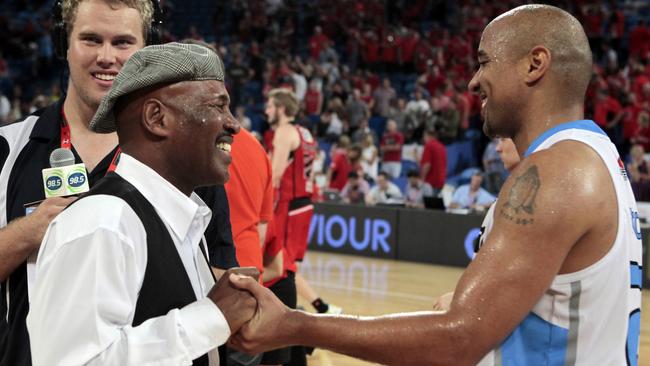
(66, 142)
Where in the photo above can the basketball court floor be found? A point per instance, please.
(364, 286)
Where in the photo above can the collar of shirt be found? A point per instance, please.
(50, 128)
(175, 208)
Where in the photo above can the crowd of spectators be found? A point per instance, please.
(382, 84)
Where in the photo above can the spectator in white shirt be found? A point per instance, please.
(472, 196)
(384, 192)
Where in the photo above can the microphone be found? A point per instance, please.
(64, 178)
(61, 157)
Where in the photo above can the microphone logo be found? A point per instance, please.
(76, 179)
(54, 182)
(64, 178)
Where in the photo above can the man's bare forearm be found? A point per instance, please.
(23, 236)
(14, 248)
(399, 339)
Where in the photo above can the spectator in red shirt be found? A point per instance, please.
(644, 101)
(642, 136)
(391, 149)
(608, 114)
(423, 55)
(459, 47)
(313, 102)
(371, 50)
(389, 52)
(432, 79)
(337, 173)
(317, 42)
(616, 27)
(593, 23)
(407, 46)
(631, 110)
(639, 42)
(639, 79)
(433, 165)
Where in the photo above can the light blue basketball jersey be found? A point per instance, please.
(590, 317)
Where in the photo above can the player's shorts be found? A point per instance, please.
(285, 290)
(292, 220)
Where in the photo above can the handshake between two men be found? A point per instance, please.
(256, 317)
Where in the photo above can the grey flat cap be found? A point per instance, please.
(165, 63)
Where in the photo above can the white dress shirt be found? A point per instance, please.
(89, 272)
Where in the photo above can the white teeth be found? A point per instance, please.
(224, 146)
(105, 77)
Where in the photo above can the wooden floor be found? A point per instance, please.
(366, 286)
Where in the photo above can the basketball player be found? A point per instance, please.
(558, 278)
(292, 155)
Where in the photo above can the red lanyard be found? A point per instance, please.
(66, 143)
(116, 158)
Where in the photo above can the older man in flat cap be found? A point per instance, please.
(122, 276)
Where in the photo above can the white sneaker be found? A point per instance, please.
(334, 310)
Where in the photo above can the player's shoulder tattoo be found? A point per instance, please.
(520, 204)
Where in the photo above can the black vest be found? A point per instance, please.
(166, 285)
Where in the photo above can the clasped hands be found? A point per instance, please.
(256, 317)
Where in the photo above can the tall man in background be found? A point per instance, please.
(571, 291)
(96, 37)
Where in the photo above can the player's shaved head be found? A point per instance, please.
(519, 30)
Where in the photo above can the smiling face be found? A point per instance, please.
(102, 39)
(203, 130)
(524, 76)
(497, 84)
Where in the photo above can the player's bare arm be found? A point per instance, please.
(499, 288)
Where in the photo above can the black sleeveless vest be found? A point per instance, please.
(166, 285)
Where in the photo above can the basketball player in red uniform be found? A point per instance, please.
(292, 153)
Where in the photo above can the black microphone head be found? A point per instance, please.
(61, 157)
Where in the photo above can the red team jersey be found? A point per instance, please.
(293, 209)
(296, 182)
